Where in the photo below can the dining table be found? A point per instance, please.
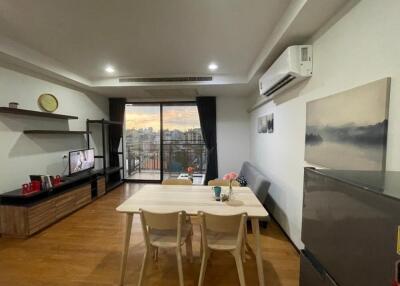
(192, 199)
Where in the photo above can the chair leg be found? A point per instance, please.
(189, 248)
(239, 266)
(179, 260)
(243, 251)
(144, 264)
(155, 253)
(204, 260)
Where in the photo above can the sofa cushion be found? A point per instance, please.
(256, 181)
(242, 181)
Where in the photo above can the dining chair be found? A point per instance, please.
(222, 233)
(165, 230)
(177, 182)
(220, 182)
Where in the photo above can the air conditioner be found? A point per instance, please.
(293, 66)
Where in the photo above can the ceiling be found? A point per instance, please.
(73, 40)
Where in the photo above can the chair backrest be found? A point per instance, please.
(232, 224)
(220, 182)
(177, 182)
(162, 221)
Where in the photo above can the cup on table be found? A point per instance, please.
(217, 192)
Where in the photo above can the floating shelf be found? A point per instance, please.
(105, 122)
(35, 113)
(54, 132)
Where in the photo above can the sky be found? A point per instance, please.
(174, 117)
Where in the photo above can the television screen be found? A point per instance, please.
(81, 160)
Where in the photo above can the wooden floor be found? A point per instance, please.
(85, 249)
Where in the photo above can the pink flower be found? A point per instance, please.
(190, 170)
(230, 176)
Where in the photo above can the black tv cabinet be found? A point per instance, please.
(22, 215)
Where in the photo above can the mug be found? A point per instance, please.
(217, 192)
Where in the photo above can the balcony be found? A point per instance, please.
(144, 159)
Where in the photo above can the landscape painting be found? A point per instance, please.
(348, 130)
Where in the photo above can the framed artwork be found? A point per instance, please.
(348, 130)
(265, 123)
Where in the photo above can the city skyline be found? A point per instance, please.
(174, 117)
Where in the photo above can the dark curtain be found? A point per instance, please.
(208, 121)
(117, 112)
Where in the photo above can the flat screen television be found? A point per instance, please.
(81, 160)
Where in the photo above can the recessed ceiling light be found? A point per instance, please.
(212, 66)
(109, 69)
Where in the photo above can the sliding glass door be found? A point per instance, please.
(142, 139)
(182, 143)
(162, 141)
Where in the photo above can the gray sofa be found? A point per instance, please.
(255, 181)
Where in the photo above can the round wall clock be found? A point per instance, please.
(48, 102)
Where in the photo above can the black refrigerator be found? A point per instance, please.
(351, 228)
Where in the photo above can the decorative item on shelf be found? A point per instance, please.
(48, 102)
(231, 176)
(190, 171)
(55, 180)
(44, 182)
(13, 105)
(31, 187)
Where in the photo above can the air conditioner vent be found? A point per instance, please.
(285, 80)
(166, 79)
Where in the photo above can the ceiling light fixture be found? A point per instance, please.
(109, 69)
(212, 66)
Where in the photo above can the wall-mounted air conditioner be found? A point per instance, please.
(292, 66)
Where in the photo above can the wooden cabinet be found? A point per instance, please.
(101, 186)
(22, 221)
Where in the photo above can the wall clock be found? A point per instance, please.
(48, 102)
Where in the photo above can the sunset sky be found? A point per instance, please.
(174, 117)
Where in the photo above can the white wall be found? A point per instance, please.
(22, 155)
(232, 133)
(361, 47)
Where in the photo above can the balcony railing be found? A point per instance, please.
(177, 156)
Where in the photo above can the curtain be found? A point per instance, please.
(208, 121)
(117, 112)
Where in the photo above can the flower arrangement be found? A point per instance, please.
(231, 176)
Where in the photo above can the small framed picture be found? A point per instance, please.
(265, 123)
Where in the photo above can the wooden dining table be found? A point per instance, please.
(192, 199)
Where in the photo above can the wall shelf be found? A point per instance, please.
(35, 113)
(64, 132)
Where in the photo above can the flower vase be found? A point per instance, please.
(230, 190)
(190, 177)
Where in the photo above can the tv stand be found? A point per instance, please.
(22, 215)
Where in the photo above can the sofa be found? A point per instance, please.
(256, 181)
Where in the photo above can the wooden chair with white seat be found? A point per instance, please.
(221, 182)
(184, 182)
(166, 230)
(222, 233)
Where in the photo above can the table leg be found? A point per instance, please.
(125, 249)
(256, 231)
